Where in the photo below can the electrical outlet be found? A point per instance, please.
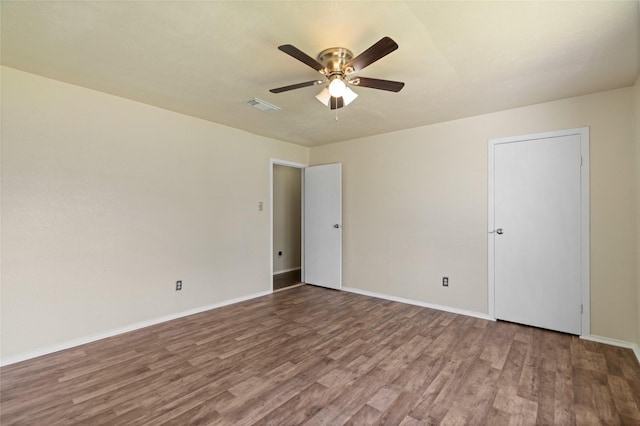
(445, 281)
(178, 285)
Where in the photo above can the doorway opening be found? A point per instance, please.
(286, 224)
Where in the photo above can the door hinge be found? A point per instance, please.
(581, 161)
(582, 309)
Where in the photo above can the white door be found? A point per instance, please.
(323, 225)
(538, 232)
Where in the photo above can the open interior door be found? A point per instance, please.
(323, 225)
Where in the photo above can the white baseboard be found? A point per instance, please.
(136, 326)
(287, 270)
(613, 342)
(419, 303)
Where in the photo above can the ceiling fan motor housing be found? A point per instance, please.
(334, 59)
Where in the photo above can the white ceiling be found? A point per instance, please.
(206, 59)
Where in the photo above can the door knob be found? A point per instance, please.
(336, 226)
(499, 231)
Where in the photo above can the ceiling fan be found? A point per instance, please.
(337, 64)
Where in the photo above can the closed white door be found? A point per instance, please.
(323, 225)
(537, 232)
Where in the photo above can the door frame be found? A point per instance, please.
(301, 166)
(583, 132)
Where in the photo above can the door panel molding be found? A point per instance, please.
(583, 133)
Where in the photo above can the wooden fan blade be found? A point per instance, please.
(295, 86)
(376, 83)
(301, 56)
(336, 103)
(379, 50)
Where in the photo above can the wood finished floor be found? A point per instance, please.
(314, 356)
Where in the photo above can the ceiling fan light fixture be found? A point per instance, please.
(347, 97)
(337, 87)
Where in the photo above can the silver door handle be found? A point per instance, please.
(336, 226)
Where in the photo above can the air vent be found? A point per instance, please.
(262, 105)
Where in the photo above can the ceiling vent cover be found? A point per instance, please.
(262, 105)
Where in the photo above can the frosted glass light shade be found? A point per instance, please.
(337, 87)
(348, 96)
(324, 96)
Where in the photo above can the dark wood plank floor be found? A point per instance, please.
(314, 356)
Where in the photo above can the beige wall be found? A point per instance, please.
(415, 206)
(636, 91)
(107, 202)
(286, 217)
